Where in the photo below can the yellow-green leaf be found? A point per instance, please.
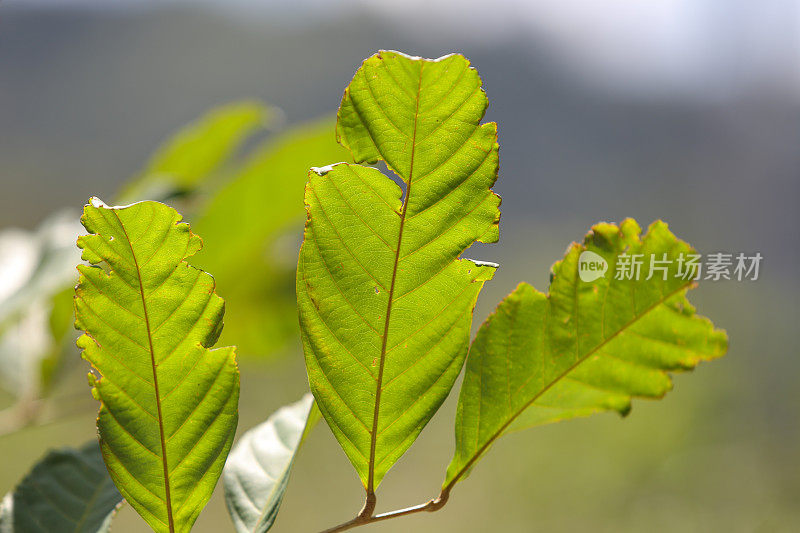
(587, 346)
(385, 300)
(168, 408)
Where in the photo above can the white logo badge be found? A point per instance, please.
(591, 266)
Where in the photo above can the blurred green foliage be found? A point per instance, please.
(220, 169)
(189, 159)
(255, 265)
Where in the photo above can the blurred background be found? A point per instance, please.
(684, 110)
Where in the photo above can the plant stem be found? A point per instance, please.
(39, 412)
(362, 520)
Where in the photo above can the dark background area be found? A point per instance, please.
(87, 93)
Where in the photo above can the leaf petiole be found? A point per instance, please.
(430, 506)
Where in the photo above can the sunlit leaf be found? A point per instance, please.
(385, 301)
(257, 265)
(587, 346)
(69, 491)
(258, 468)
(168, 408)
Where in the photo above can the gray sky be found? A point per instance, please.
(710, 49)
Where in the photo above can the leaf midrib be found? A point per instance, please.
(379, 381)
(167, 495)
(558, 378)
(89, 506)
(280, 482)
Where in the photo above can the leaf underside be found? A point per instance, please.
(168, 408)
(385, 301)
(256, 474)
(69, 491)
(584, 348)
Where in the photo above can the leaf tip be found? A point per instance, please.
(97, 203)
(321, 171)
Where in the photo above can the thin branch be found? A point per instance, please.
(360, 520)
(40, 412)
(20, 415)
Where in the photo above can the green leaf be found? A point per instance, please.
(258, 468)
(69, 491)
(385, 301)
(257, 266)
(587, 347)
(197, 151)
(168, 408)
